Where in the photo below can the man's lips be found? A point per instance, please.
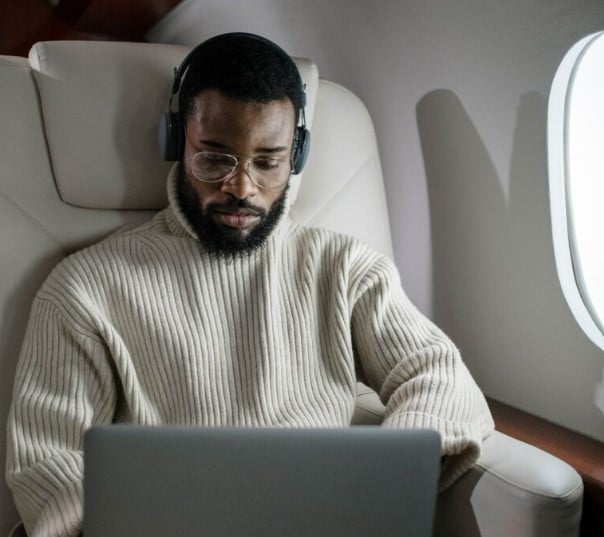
(237, 218)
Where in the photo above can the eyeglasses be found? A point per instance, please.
(265, 172)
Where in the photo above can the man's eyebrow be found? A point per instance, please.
(277, 149)
(224, 147)
(215, 145)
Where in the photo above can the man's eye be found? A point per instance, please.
(267, 163)
(217, 159)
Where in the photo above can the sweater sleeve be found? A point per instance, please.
(63, 385)
(417, 371)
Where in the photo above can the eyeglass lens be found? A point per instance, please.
(264, 171)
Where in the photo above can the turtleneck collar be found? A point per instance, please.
(176, 219)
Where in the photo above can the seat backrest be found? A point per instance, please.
(79, 158)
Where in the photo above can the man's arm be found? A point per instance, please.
(417, 371)
(63, 385)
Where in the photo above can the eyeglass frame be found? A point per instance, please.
(241, 160)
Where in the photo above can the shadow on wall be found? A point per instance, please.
(496, 291)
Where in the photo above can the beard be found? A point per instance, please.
(220, 240)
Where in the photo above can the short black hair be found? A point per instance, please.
(241, 66)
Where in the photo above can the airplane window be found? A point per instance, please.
(576, 181)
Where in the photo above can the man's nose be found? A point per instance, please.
(240, 184)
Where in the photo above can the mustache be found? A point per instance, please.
(236, 206)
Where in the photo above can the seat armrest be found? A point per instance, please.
(513, 489)
(368, 410)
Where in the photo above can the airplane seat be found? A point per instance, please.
(79, 159)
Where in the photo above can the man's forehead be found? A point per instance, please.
(234, 125)
(212, 111)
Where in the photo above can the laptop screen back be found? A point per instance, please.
(218, 482)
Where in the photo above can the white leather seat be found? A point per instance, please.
(78, 159)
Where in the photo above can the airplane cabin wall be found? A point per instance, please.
(458, 93)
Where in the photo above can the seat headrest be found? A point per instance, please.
(101, 103)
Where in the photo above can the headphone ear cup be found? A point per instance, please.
(302, 146)
(170, 136)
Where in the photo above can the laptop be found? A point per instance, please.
(221, 482)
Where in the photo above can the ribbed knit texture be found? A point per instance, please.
(145, 327)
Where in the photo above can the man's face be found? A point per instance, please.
(235, 215)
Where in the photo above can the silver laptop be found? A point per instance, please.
(219, 482)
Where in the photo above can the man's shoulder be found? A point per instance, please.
(318, 234)
(156, 225)
(323, 251)
(87, 263)
(327, 242)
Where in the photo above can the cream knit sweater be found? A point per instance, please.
(144, 327)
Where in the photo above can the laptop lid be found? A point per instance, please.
(220, 482)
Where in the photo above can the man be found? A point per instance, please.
(222, 311)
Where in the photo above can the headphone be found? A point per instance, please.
(171, 132)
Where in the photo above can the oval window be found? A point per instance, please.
(576, 180)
